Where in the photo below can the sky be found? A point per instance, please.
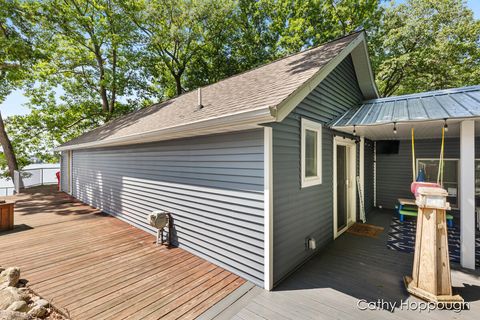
(14, 104)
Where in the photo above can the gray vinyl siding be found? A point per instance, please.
(368, 157)
(394, 171)
(64, 171)
(299, 213)
(212, 185)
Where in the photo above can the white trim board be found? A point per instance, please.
(268, 207)
(467, 194)
(70, 172)
(235, 122)
(317, 128)
(352, 175)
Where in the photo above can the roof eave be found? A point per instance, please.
(364, 71)
(234, 122)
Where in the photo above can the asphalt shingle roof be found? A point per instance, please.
(265, 86)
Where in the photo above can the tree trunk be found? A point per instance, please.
(178, 82)
(8, 149)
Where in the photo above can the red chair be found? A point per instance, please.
(58, 180)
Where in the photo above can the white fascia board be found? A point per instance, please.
(364, 72)
(287, 105)
(234, 122)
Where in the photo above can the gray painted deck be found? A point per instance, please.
(349, 269)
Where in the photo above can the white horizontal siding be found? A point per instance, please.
(212, 185)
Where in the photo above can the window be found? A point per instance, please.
(450, 176)
(311, 153)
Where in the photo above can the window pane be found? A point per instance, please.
(310, 153)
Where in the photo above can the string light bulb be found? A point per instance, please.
(354, 131)
(445, 126)
(394, 128)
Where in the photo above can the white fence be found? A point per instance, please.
(7, 191)
(35, 177)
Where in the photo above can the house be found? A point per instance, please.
(260, 170)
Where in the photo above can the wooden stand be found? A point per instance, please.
(6, 215)
(431, 278)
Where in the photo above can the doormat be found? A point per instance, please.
(401, 237)
(365, 230)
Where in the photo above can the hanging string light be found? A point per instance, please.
(354, 131)
(394, 128)
(445, 125)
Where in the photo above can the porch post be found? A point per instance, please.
(467, 194)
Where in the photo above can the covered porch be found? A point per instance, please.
(388, 123)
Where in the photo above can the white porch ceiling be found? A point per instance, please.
(423, 130)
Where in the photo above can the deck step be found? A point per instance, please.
(231, 304)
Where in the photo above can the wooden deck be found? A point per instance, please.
(93, 266)
(350, 269)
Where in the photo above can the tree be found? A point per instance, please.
(305, 23)
(89, 76)
(174, 33)
(17, 54)
(257, 32)
(426, 45)
(94, 56)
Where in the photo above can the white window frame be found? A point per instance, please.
(317, 127)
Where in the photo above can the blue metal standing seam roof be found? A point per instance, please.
(434, 105)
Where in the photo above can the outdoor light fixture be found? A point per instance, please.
(394, 128)
(354, 131)
(445, 126)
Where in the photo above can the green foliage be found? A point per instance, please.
(16, 49)
(175, 36)
(94, 53)
(92, 60)
(426, 45)
(301, 24)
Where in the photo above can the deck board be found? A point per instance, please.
(94, 266)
